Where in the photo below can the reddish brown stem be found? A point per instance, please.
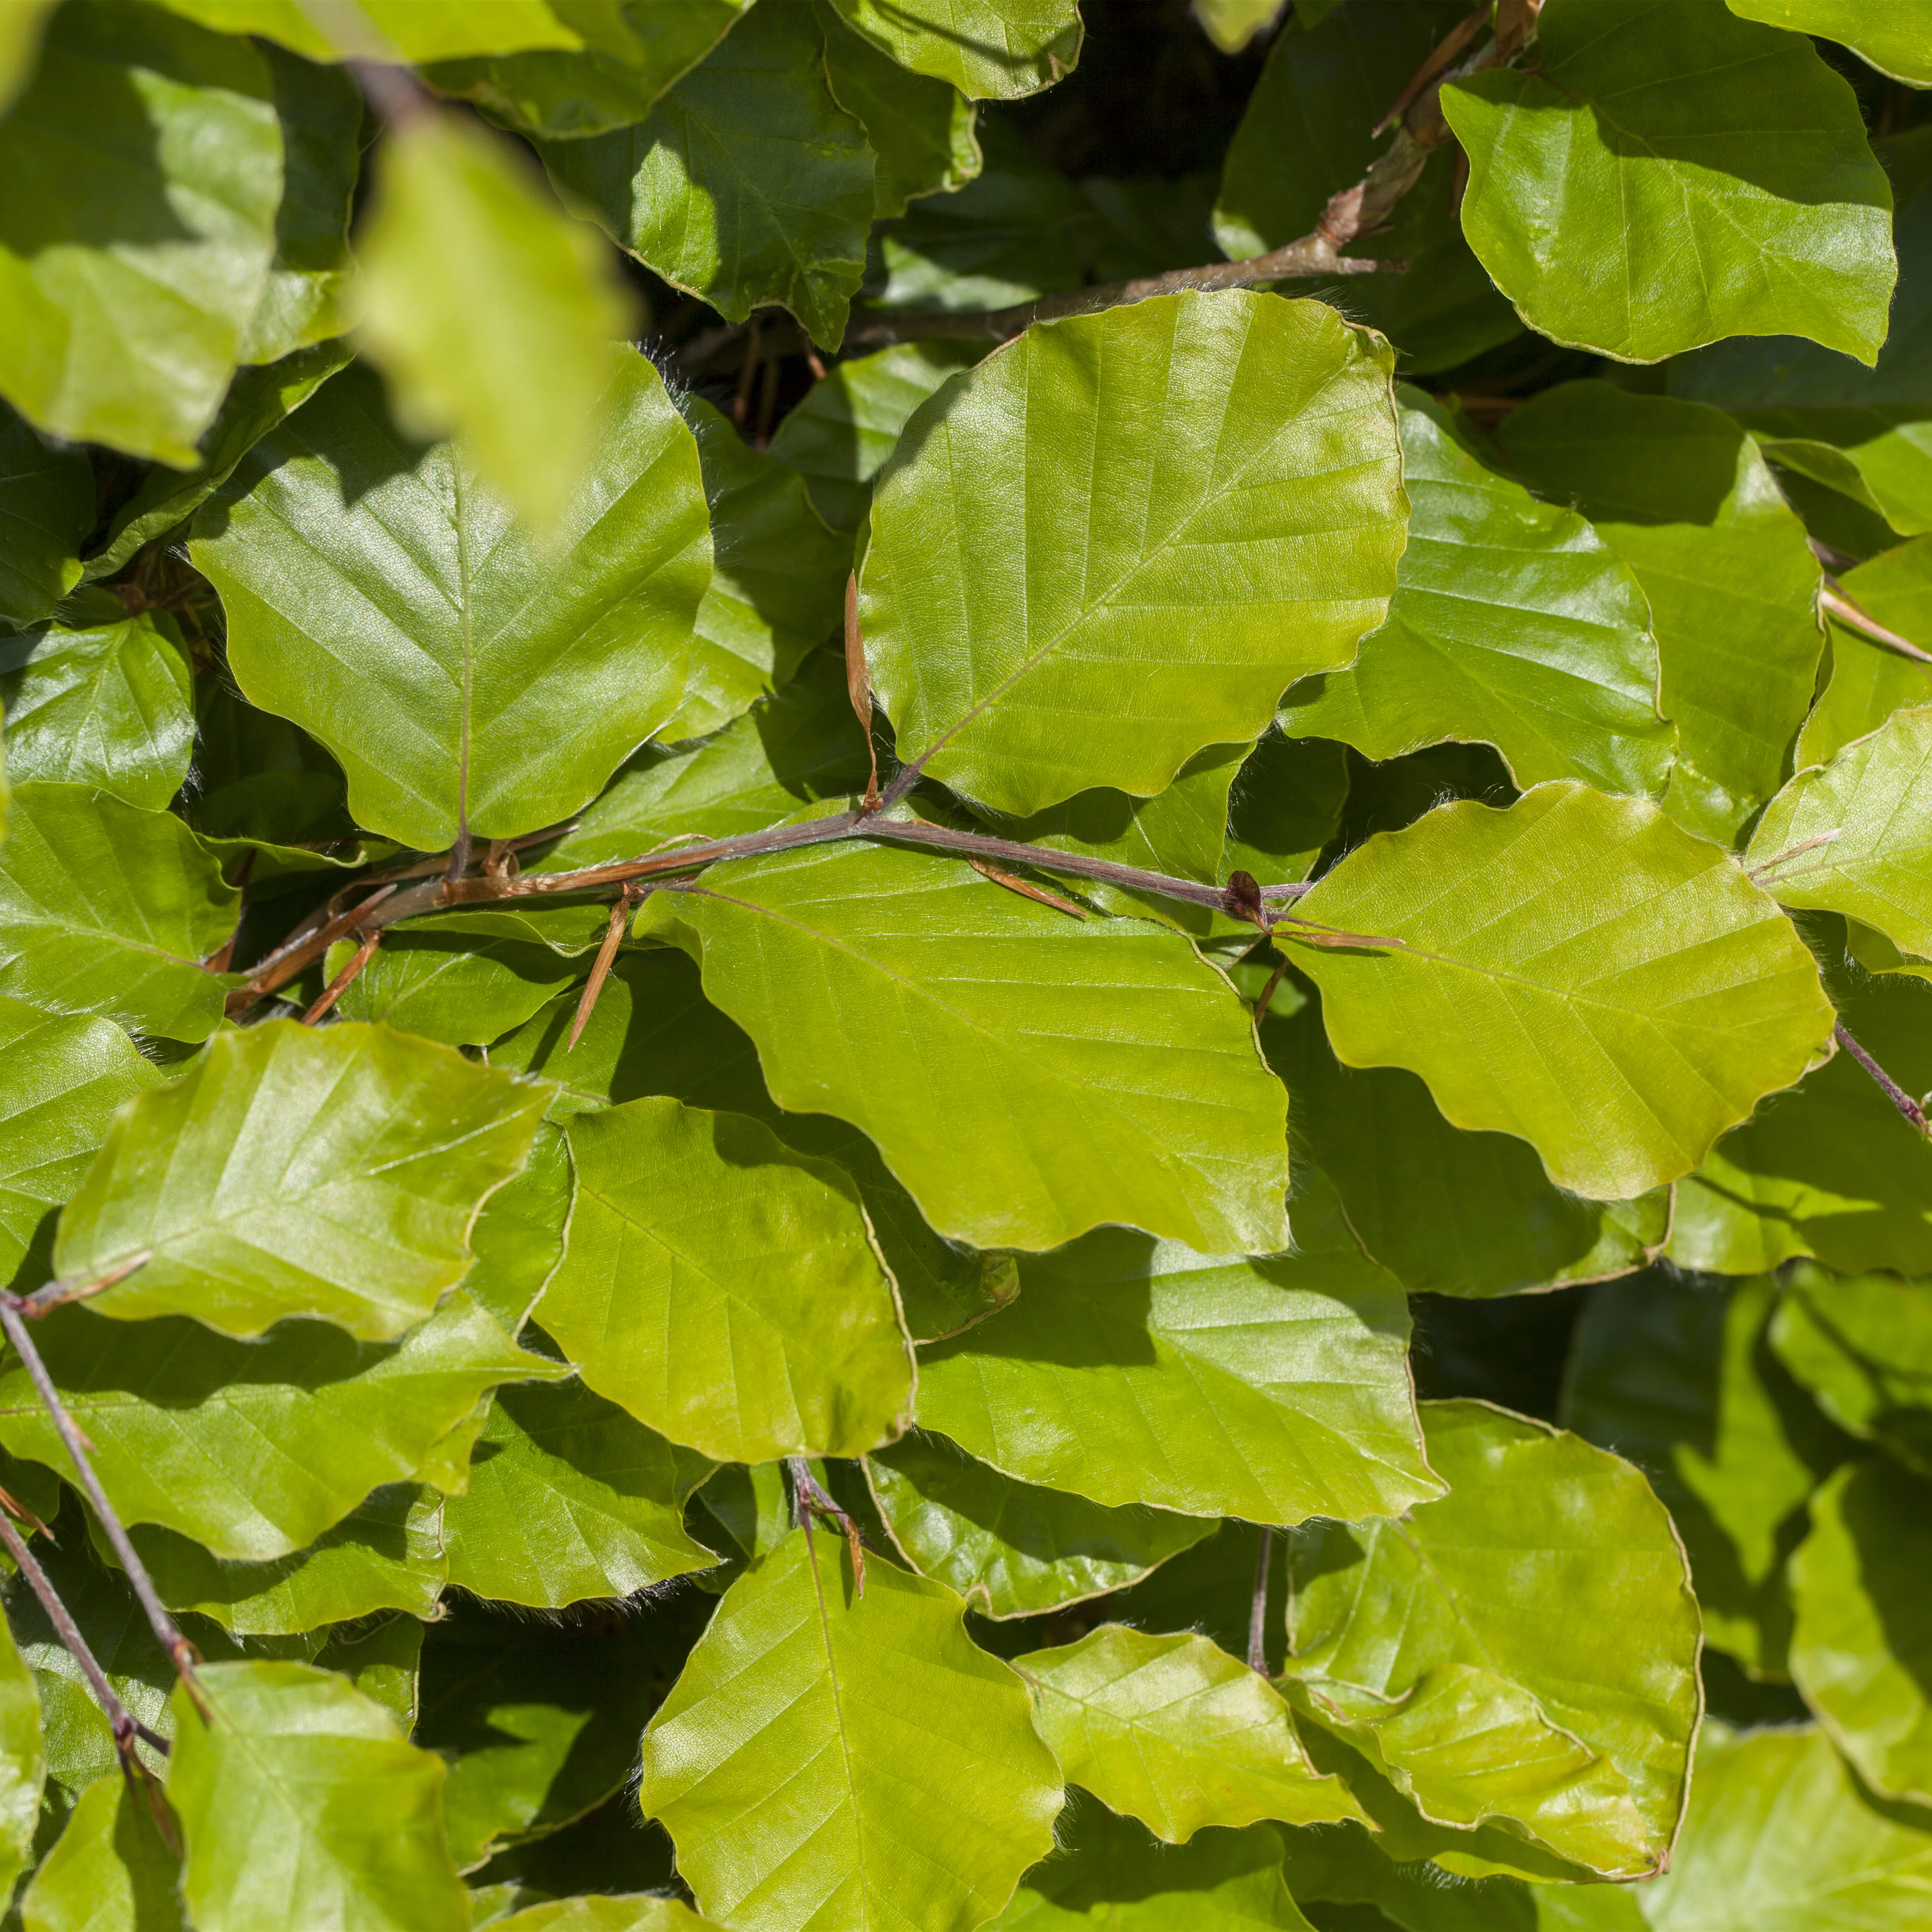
(1892, 1091)
(343, 980)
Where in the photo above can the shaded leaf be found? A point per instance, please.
(1866, 682)
(1766, 182)
(989, 49)
(333, 1173)
(1011, 1549)
(111, 1871)
(1887, 33)
(724, 1290)
(1173, 1731)
(828, 1753)
(1283, 808)
(1642, 997)
(47, 510)
(1001, 620)
(300, 1801)
(1135, 1371)
(1124, 1078)
(482, 673)
(461, 978)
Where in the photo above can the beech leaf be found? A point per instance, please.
(47, 510)
(989, 49)
(110, 1869)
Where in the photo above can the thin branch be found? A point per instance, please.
(165, 1631)
(1892, 1091)
(343, 980)
(77, 1288)
(1444, 51)
(1833, 602)
(1258, 1609)
(621, 909)
(809, 1498)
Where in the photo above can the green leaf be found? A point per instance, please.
(1073, 1035)
(146, 161)
(1642, 996)
(778, 586)
(568, 1499)
(442, 652)
(332, 1173)
(20, 30)
(111, 706)
(1232, 24)
(1862, 1344)
(1856, 837)
(607, 83)
(1780, 1838)
(300, 1801)
(988, 49)
(1683, 496)
(47, 510)
(1004, 621)
(1013, 1550)
(920, 129)
(633, 1911)
(1682, 1380)
(724, 1290)
(1115, 1875)
(106, 909)
(1284, 807)
(417, 30)
(111, 1871)
(518, 1240)
(748, 184)
(254, 1449)
(60, 1081)
(1858, 1587)
(1447, 1213)
(1888, 34)
(1446, 1648)
(853, 1756)
(491, 312)
(465, 979)
(381, 1659)
(1173, 1731)
(1513, 623)
(23, 1762)
(1135, 1371)
(1866, 682)
(1765, 182)
(839, 437)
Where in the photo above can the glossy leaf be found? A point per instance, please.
(1887, 33)
(254, 1450)
(1858, 1587)
(334, 1174)
(725, 1290)
(569, 1498)
(106, 909)
(1135, 1371)
(518, 1240)
(1512, 623)
(1511, 1023)
(829, 1753)
(844, 967)
(1173, 1731)
(111, 1869)
(1438, 1646)
(47, 510)
(485, 676)
(1765, 182)
(748, 183)
(1684, 498)
(1011, 1549)
(988, 49)
(299, 1801)
(1022, 634)
(146, 158)
(111, 706)
(464, 979)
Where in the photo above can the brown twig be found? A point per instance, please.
(343, 980)
(859, 688)
(1892, 1091)
(77, 1288)
(809, 1499)
(621, 909)
(1257, 1609)
(1027, 890)
(1833, 602)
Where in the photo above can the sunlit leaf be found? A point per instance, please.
(518, 1240)
(1889, 34)
(419, 30)
(463, 978)
(632, 1912)
(334, 1173)
(1232, 24)
(1867, 681)
(989, 49)
(111, 1870)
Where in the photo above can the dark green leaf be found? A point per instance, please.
(46, 509)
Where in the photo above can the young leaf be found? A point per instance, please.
(1858, 1588)
(450, 660)
(301, 1803)
(724, 1290)
(568, 1498)
(1173, 1731)
(1888, 34)
(461, 978)
(1642, 996)
(1512, 623)
(1862, 1345)
(106, 909)
(748, 184)
(988, 49)
(1022, 633)
(47, 510)
(1765, 182)
(1135, 1371)
(1683, 496)
(1013, 1550)
(111, 1870)
(146, 162)
(334, 1174)
(1103, 1073)
(254, 1449)
(490, 311)
(852, 1756)
(1428, 1642)
(111, 706)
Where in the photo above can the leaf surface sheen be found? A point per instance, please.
(1890, 35)
(827, 1756)
(1069, 582)
(988, 49)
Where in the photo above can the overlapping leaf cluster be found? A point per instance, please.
(766, 997)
